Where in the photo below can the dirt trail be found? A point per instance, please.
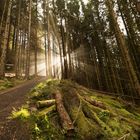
(15, 97)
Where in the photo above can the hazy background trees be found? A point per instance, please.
(96, 43)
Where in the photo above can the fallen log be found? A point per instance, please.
(46, 111)
(64, 116)
(45, 103)
(95, 103)
(74, 105)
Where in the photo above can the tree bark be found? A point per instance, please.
(36, 45)
(45, 103)
(3, 56)
(1, 25)
(49, 45)
(17, 40)
(29, 43)
(65, 118)
(123, 48)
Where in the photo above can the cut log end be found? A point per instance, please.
(45, 103)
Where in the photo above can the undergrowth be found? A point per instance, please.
(116, 122)
(22, 114)
(7, 83)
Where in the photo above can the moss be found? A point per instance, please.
(5, 84)
(43, 90)
(91, 114)
(22, 114)
(104, 115)
(47, 110)
(116, 127)
(52, 82)
(84, 129)
(43, 129)
(9, 83)
(34, 94)
(124, 112)
(137, 115)
(110, 102)
(2, 87)
(90, 122)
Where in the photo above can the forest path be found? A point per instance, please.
(15, 97)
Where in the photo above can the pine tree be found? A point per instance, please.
(123, 48)
(6, 31)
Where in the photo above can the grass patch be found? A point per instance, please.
(22, 114)
(9, 83)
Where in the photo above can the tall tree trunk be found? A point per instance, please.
(46, 62)
(36, 45)
(65, 74)
(133, 41)
(13, 39)
(48, 39)
(1, 25)
(17, 40)
(45, 36)
(8, 43)
(123, 47)
(49, 51)
(24, 53)
(29, 43)
(3, 56)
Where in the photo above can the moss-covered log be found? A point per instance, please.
(85, 128)
(45, 103)
(46, 111)
(95, 103)
(91, 114)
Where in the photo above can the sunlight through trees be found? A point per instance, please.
(95, 43)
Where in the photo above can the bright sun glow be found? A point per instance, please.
(85, 1)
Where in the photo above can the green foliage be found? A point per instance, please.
(114, 122)
(2, 87)
(9, 82)
(22, 114)
(40, 86)
(4, 84)
(42, 129)
(44, 89)
(36, 130)
(104, 115)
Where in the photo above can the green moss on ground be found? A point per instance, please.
(90, 121)
(9, 83)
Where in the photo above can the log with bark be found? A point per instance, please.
(45, 103)
(47, 111)
(64, 116)
(95, 103)
(91, 115)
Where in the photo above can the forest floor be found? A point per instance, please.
(10, 82)
(14, 98)
(64, 110)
